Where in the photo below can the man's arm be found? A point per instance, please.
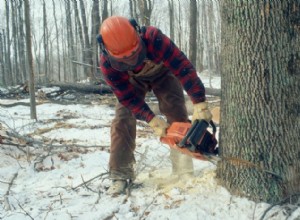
(124, 91)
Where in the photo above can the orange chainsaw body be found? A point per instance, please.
(187, 138)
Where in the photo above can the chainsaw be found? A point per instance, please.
(193, 139)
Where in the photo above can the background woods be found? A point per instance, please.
(64, 35)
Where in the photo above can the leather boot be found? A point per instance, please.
(117, 187)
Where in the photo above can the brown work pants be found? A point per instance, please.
(169, 93)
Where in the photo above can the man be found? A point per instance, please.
(134, 61)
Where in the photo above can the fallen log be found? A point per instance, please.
(103, 89)
(80, 87)
(213, 92)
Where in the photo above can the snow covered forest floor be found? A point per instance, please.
(56, 168)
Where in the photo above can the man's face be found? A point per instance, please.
(130, 62)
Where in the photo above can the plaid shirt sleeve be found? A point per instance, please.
(161, 48)
(124, 91)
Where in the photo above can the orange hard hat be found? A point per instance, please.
(119, 36)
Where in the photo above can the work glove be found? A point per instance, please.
(159, 125)
(201, 112)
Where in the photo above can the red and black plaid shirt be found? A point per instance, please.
(159, 49)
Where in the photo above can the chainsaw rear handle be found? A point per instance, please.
(211, 123)
(213, 127)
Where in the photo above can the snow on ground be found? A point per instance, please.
(66, 187)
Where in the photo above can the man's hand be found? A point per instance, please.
(201, 112)
(159, 125)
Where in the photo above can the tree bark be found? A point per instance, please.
(15, 68)
(8, 54)
(145, 8)
(30, 60)
(94, 33)
(88, 53)
(193, 32)
(21, 43)
(45, 32)
(171, 12)
(179, 25)
(2, 61)
(57, 42)
(70, 41)
(200, 36)
(260, 117)
(105, 10)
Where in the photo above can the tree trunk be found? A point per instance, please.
(217, 37)
(171, 12)
(94, 33)
(179, 25)
(79, 25)
(105, 10)
(57, 42)
(2, 61)
(130, 9)
(21, 43)
(8, 54)
(15, 67)
(45, 32)
(210, 38)
(88, 53)
(70, 40)
(260, 117)
(193, 32)
(79, 31)
(145, 8)
(200, 41)
(30, 61)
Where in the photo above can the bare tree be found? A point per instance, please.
(2, 60)
(57, 41)
(45, 42)
(193, 32)
(30, 60)
(94, 33)
(70, 42)
(145, 8)
(200, 36)
(87, 53)
(105, 10)
(171, 13)
(8, 70)
(133, 10)
(179, 25)
(78, 22)
(15, 66)
(21, 43)
(80, 35)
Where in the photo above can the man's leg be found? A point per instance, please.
(123, 132)
(121, 161)
(170, 95)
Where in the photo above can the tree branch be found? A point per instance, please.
(6, 201)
